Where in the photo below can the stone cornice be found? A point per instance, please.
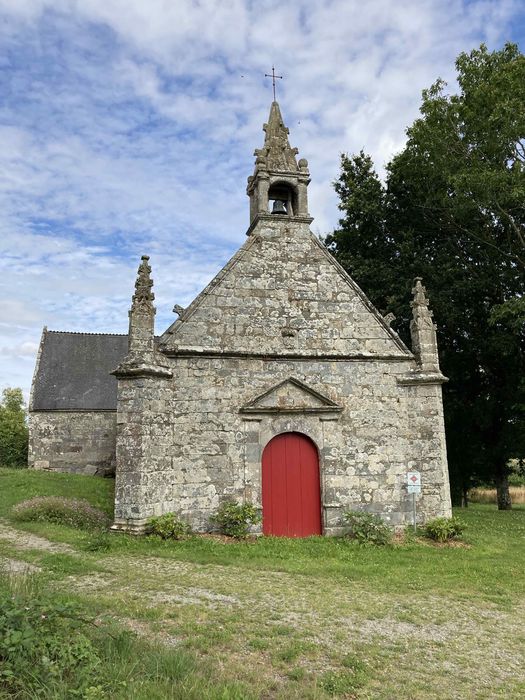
(281, 410)
(71, 410)
(307, 392)
(141, 369)
(419, 377)
(213, 354)
(285, 218)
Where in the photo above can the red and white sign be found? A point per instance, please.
(414, 482)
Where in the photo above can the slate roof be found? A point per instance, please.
(72, 371)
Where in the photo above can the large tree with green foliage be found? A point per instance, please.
(13, 429)
(453, 212)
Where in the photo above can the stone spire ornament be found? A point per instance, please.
(142, 313)
(423, 330)
(143, 296)
(142, 358)
(277, 151)
(278, 176)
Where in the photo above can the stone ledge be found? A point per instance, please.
(142, 369)
(278, 217)
(422, 378)
(284, 409)
(36, 411)
(226, 354)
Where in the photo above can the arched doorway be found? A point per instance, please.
(291, 492)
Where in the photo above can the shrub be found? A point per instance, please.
(367, 528)
(44, 648)
(444, 529)
(234, 519)
(13, 429)
(62, 511)
(168, 526)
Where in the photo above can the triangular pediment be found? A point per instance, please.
(291, 396)
(282, 294)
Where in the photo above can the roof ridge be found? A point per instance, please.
(85, 333)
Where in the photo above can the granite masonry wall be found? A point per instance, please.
(281, 340)
(198, 447)
(82, 442)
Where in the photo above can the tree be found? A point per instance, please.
(13, 429)
(476, 141)
(453, 212)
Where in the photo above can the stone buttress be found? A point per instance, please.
(142, 453)
(425, 414)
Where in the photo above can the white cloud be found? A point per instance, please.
(128, 127)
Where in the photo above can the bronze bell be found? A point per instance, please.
(279, 207)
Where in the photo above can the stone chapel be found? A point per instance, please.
(280, 384)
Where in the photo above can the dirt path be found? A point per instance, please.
(200, 604)
(15, 567)
(26, 540)
(263, 625)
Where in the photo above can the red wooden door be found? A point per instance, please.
(291, 494)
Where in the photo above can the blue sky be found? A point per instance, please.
(128, 127)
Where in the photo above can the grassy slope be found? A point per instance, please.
(310, 618)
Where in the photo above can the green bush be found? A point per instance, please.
(367, 528)
(444, 529)
(234, 519)
(168, 526)
(62, 511)
(44, 649)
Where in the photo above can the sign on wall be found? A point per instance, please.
(413, 487)
(413, 482)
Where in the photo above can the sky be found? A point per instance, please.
(127, 127)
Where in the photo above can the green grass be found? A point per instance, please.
(129, 667)
(315, 618)
(20, 484)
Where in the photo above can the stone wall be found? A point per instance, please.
(81, 442)
(194, 446)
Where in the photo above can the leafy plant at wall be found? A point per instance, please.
(235, 519)
(444, 529)
(169, 526)
(367, 528)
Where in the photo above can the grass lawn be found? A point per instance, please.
(316, 618)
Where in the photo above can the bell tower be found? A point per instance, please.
(278, 186)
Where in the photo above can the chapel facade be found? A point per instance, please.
(280, 384)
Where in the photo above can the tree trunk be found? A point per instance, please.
(503, 493)
(464, 496)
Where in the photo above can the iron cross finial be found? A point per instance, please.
(273, 76)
